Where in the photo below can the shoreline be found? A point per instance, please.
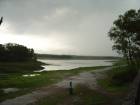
(54, 65)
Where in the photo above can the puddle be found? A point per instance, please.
(8, 90)
(30, 75)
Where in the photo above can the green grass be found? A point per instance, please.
(120, 62)
(112, 88)
(16, 80)
(117, 91)
(45, 78)
(117, 81)
(118, 78)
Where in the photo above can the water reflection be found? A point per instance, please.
(30, 75)
(71, 64)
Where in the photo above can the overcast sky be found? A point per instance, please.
(62, 26)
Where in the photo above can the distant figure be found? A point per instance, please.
(1, 20)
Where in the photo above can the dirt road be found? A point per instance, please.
(86, 78)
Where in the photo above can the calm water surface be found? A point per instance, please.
(71, 64)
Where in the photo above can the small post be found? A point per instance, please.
(71, 88)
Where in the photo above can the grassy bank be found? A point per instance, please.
(118, 80)
(26, 84)
(119, 77)
(118, 87)
(20, 67)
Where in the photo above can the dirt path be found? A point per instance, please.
(85, 78)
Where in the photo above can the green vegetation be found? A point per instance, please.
(16, 53)
(125, 33)
(45, 78)
(117, 81)
(20, 67)
(118, 78)
(126, 36)
(15, 58)
(113, 85)
(16, 80)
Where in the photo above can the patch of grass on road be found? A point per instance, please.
(82, 96)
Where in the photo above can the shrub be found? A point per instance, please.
(124, 75)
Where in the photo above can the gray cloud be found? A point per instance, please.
(83, 24)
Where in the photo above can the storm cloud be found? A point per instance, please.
(64, 26)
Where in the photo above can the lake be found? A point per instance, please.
(71, 64)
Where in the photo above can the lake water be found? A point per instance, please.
(71, 64)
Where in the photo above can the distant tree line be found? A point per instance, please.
(125, 33)
(75, 57)
(14, 52)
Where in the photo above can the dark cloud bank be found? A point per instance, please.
(81, 25)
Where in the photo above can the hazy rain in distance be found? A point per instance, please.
(62, 26)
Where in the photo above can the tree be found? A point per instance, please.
(15, 52)
(125, 33)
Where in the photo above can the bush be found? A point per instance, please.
(123, 75)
